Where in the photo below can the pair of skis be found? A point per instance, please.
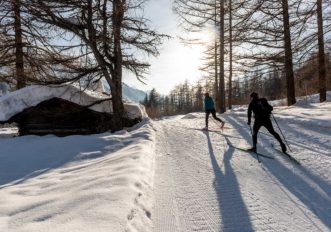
(258, 155)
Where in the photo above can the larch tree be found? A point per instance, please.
(321, 53)
(195, 16)
(111, 35)
(28, 50)
(288, 55)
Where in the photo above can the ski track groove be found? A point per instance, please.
(204, 199)
(201, 210)
(166, 209)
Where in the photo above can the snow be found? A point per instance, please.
(202, 184)
(78, 183)
(191, 116)
(19, 100)
(4, 88)
(170, 175)
(130, 94)
(302, 100)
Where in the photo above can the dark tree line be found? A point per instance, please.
(183, 99)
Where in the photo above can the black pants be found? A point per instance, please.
(267, 124)
(212, 112)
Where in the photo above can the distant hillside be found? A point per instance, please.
(129, 93)
(133, 94)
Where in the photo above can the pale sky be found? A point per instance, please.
(177, 61)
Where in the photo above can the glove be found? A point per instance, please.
(249, 123)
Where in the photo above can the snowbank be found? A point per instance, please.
(312, 114)
(19, 100)
(306, 111)
(192, 116)
(78, 183)
(302, 100)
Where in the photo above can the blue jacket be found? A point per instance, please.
(209, 103)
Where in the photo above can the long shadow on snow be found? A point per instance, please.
(232, 207)
(292, 143)
(297, 128)
(319, 129)
(25, 157)
(211, 130)
(315, 197)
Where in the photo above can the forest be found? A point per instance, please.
(280, 49)
(54, 42)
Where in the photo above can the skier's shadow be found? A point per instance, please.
(230, 201)
(310, 189)
(219, 131)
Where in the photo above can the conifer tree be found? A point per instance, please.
(110, 33)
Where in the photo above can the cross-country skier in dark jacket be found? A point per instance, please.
(210, 109)
(262, 111)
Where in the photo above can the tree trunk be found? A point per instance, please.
(216, 74)
(230, 54)
(321, 54)
(216, 63)
(118, 107)
(221, 89)
(288, 56)
(19, 63)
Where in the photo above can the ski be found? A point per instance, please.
(211, 130)
(287, 154)
(216, 129)
(258, 154)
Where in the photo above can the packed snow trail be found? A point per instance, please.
(202, 184)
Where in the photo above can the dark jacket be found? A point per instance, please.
(260, 108)
(209, 103)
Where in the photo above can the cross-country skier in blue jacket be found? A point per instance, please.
(210, 109)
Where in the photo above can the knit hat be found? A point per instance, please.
(254, 95)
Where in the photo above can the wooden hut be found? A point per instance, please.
(61, 111)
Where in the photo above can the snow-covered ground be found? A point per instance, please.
(169, 175)
(203, 184)
(78, 183)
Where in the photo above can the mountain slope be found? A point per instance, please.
(129, 93)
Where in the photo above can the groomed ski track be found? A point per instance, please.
(202, 184)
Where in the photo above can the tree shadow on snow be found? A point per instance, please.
(211, 131)
(234, 214)
(26, 157)
(310, 189)
(296, 128)
(298, 144)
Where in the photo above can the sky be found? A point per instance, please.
(177, 61)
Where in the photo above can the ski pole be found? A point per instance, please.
(250, 127)
(281, 131)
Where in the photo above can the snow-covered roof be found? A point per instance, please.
(15, 102)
